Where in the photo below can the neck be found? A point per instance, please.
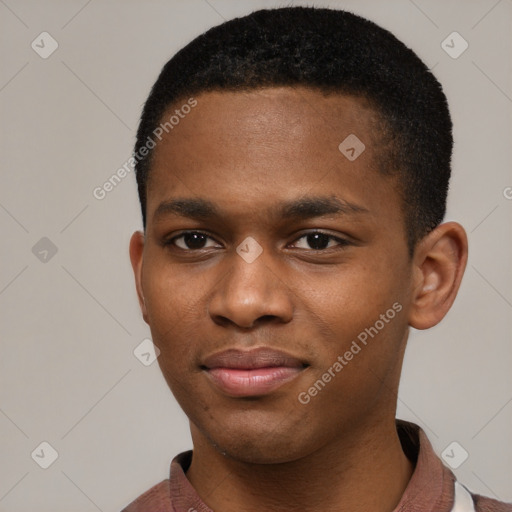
(365, 469)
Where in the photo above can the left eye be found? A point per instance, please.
(319, 241)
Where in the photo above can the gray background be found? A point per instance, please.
(69, 324)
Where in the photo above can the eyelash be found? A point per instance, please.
(341, 241)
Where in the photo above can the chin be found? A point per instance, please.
(254, 451)
(254, 440)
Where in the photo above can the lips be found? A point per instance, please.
(257, 372)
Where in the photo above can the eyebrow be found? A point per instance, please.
(300, 209)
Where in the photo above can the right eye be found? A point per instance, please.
(191, 241)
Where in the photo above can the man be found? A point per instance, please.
(293, 167)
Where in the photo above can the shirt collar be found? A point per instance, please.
(431, 487)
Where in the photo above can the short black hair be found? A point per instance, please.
(332, 51)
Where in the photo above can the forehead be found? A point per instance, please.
(256, 146)
(284, 115)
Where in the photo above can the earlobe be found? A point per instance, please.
(136, 257)
(439, 263)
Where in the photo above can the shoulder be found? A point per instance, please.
(484, 504)
(156, 499)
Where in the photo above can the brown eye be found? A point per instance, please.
(192, 240)
(319, 241)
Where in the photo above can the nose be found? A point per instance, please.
(250, 294)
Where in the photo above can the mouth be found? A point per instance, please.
(257, 372)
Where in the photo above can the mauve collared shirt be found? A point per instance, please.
(430, 489)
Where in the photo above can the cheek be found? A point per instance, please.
(175, 311)
(360, 315)
(354, 298)
(171, 291)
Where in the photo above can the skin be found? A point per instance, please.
(340, 451)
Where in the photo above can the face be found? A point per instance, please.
(275, 271)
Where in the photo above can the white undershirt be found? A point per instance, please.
(463, 501)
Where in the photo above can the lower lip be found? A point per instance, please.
(256, 382)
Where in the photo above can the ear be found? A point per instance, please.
(438, 265)
(137, 257)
